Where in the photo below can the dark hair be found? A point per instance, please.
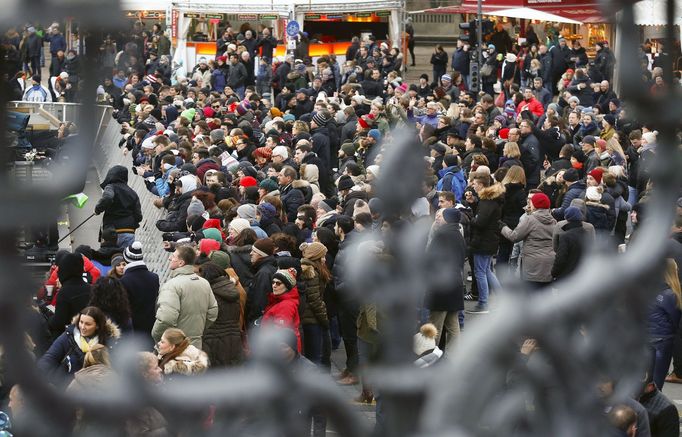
(211, 271)
(109, 295)
(245, 238)
(345, 223)
(476, 141)
(448, 195)
(327, 237)
(364, 219)
(284, 242)
(186, 254)
(100, 321)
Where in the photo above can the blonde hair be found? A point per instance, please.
(613, 144)
(177, 338)
(673, 281)
(511, 150)
(515, 175)
(98, 354)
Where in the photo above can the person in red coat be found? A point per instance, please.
(530, 103)
(282, 307)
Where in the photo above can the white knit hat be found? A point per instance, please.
(649, 137)
(592, 194)
(280, 151)
(239, 224)
(425, 339)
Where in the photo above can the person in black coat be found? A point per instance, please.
(176, 219)
(264, 266)
(445, 296)
(291, 198)
(571, 244)
(142, 287)
(74, 293)
(120, 205)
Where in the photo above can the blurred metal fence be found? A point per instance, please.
(591, 331)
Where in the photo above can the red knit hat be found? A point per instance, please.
(362, 121)
(263, 152)
(207, 245)
(248, 181)
(540, 201)
(597, 174)
(504, 133)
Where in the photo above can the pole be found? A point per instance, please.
(479, 36)
(76, 228)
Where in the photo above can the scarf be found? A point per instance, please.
(83, 343)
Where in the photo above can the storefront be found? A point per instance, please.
(149, 12)
(330, 24)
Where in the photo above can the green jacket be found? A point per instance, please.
(186, 302)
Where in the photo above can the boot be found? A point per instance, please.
(365, 397)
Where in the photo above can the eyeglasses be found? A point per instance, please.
(276, 282)
(215, 106)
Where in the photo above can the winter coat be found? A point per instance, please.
(74, 294)
(514, 204)
(537, 254)
(533, 105)
(240, 258)
(119, 203)
(570, 248)
(446, 253)
(222, 340)
(282, 311)
(460, 61)
(237, 76)
(485, 236)
(176, 218)
(191, 361)
(65, 357)
(372, 88)
(315, 312)
(260, 288)
(321, 146)
(575, 191)
(585, 94)
(664, 315)
(291, 199)
(598, 215)
(531, 156)
(186, 301)
(142, 287)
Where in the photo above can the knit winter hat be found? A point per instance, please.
(217, 135)
(345, 183)
(212, 234)
(540, 201)
(425, 339)
(348, 149)
(571, 175)
(573, 214)
(264, 247)
(593, 194)
(275, 112)
(452, 215)
(288, 277)
(268, 184)
(597, 174)
(133, 252)
(610, 119)
(247, 211)
(649, 137)
(446, 77)
(248, 181)
(330, 203)
(280, 151)
(323, 206)
(116, 259)
(402, 88)
(263, 152)
(220, 258)
(206, 245)
(267, 210)
(243, 108)
(239, 224)
(313, 251)
(320, 119)
(195, 208)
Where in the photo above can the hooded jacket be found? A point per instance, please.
(446, 253)
(571, 243)
(74, 294)
(485, 236)
(142, 287)
(260, 288)
(186, 301)
(315, 309)
(119, 203)
(191, 361)
(222, 340)
(537, 254)
(282, 310)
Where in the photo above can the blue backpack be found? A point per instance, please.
(458, 184)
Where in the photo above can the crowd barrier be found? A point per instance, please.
(106, 154)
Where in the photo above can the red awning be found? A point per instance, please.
(585, 11)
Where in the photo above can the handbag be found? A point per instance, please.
(500, 100)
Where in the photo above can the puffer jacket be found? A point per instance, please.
(537, 254)
(191, 361)
(315, 312)
(598, 215)
(514, 202)
(575, 191)
(260, 288)
(74, 294)
(186, 301)
(485, 236)
(282, 311)
(119, 203)
(222, 340)
(176, 218)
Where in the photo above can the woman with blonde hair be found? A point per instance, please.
(177, 356)
(511, 155)
(514, 183)
(663, 321)
(615, 152)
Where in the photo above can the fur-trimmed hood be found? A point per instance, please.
(300, 183)
(307, 270)
(113, 332)
(192, 361)
(597, 205)
(492, 192)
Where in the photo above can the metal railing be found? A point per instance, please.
(592, 330)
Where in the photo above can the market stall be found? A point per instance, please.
(330, 23)
(149, 11)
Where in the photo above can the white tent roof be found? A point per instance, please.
(283, 6)
(652, 13)
(531, 14)
(145, 5)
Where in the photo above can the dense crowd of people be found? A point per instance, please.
(267, 175)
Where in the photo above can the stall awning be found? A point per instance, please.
(145, 5)
(652, 13)
(284, 6)
(568, 11)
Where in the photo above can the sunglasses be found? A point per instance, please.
(276, 282)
